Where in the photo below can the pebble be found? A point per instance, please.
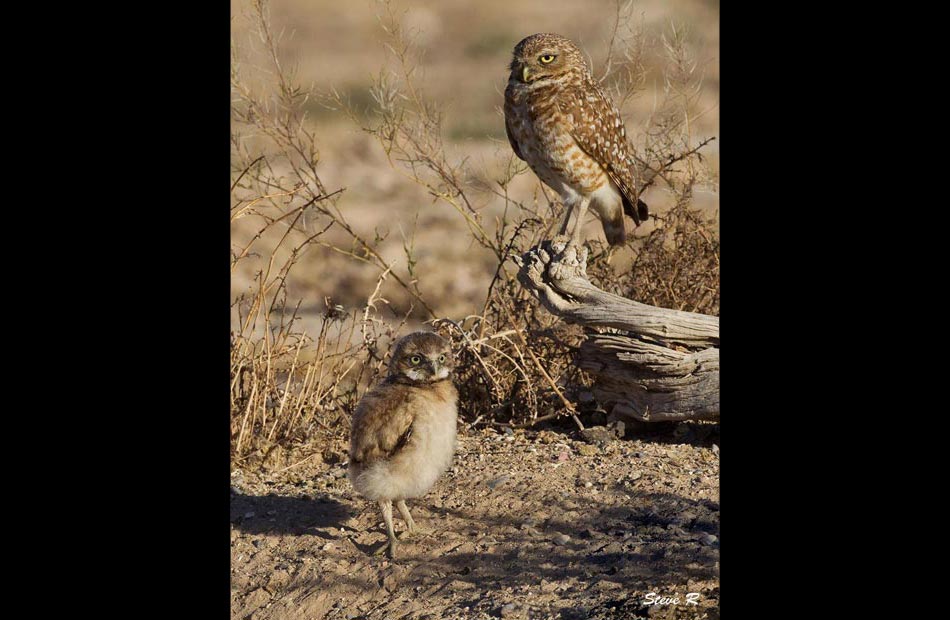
(511, 610)
(562, 539)
(715, 449)
(708, 539)
(498, 481)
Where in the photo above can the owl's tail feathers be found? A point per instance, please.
(641, 214)
(642, 210)
(614, 229)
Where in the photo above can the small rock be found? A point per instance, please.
(256, 598)
(708, 539)
(258, 543)
(715, 449)
(492, 484)
(511, 610)
(613, 548)
(604, 434)
(597, 434)
(562, 539)
(546, 437)
(619, 428)
(563, 456)
(249, 515)
(587, 450)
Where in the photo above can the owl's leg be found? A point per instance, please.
(411, 528)
(387, 507)
(579, 221)
(568, 207)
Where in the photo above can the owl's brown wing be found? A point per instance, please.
(599, 131)
(509, 116)
(382, 424)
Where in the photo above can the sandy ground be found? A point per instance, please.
(530, 524)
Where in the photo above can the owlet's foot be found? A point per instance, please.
(389, 548)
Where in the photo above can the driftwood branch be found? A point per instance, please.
(653, 364)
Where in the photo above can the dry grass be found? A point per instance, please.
(298, 369)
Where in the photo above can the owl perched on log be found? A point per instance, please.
(403, 434)
(571, 135)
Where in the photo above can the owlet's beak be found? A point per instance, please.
(525, 74)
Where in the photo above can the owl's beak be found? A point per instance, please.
(525, 74)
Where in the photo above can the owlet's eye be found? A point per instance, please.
(442, 359)
(547, 59)
(415, 360)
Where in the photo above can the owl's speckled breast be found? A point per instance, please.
(543, 135)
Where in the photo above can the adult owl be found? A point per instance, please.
(571, 135)
(403, 434)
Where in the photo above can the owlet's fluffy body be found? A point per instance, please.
(404, 429)
(562, 124)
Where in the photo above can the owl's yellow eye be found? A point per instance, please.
(441, 359)
(415, 360)
(546, 59)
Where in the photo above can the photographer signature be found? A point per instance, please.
(653, 598)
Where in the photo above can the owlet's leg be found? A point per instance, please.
(387, 507)
(411, 528)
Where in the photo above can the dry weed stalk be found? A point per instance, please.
(288, 387)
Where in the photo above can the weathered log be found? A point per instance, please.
(662, 364)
